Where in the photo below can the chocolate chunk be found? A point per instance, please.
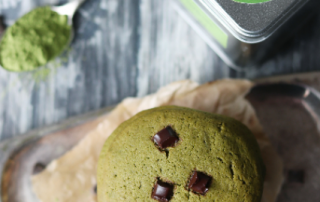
(38, 168)
(199, 182)
(296, 176)
(166, 138)
(162, 191)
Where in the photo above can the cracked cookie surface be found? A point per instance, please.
(131, 165)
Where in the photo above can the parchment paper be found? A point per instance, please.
(73, 176)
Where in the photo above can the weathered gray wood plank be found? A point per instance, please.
(170, 50)
(125, 48)
(100, 70)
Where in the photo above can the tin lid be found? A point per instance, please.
(252, 22)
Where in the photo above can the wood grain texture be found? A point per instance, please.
(100, 70)
(125, 48)
(170, 50)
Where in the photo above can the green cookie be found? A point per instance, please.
(179, 154)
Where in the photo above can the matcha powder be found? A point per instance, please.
(35, 39)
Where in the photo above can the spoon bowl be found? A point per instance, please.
(68, 10)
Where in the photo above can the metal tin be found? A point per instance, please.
(243, 34)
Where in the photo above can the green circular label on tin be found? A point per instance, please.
(251, 1)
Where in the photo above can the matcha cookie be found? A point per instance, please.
(179, 154)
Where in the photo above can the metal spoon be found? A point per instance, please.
(68, 9)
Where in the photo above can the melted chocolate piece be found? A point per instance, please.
(162, 191)
(296, 176)
(38, 168)
(165, 138)
(199, 182)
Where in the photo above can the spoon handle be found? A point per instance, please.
(68, 9)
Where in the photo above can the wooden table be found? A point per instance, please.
(125, 48)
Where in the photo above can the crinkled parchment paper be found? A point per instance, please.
(73, 176)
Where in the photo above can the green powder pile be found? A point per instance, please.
(35, 39)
